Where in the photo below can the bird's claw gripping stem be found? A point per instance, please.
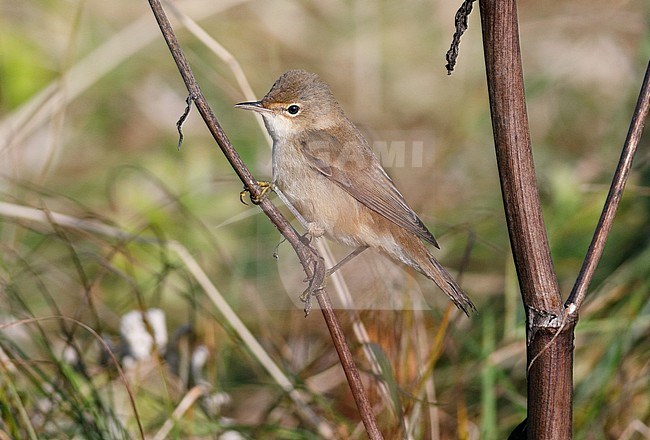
(315, 287)
(266, 187)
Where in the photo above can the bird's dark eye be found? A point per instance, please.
(293, 109)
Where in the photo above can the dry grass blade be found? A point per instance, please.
(31, 214)
(185, 404)
(85, 73)
(222, 53)
(249, 339)
(103, 343)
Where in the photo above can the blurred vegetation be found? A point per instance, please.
(89, 98)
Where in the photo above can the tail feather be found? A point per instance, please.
(404, 247)
(439, 275)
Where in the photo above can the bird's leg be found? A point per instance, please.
(340, 264)
(316, 284)
(313, 231)
(266, 187)
(316, 281)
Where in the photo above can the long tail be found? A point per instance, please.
(409, 249)
(439, 275)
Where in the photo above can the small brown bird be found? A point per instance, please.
(329, 173)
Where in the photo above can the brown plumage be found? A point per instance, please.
(326, 168)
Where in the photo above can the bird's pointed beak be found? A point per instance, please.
(255, 106)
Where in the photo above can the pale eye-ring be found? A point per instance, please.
(293, 109)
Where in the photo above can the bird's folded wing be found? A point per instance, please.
(363, 178)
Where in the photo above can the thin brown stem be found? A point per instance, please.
(351, 371)
(550, 340)
(515, 156)
(311, 261)
(606, 220)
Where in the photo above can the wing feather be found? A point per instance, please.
(360, 174)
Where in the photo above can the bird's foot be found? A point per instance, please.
(265, 186)
(316, 285)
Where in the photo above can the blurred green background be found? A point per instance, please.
(89, 98)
